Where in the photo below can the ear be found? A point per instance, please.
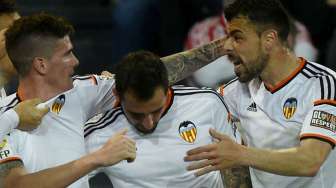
(269, 39)
(40, 65)
(116, 94)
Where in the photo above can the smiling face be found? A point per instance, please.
(245, 49)
(61, 64)
(144, 115)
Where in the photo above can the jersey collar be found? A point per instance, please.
(284, 82)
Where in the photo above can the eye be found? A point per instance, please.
(137, 116)
(237, 38)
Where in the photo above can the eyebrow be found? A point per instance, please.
(136, 113)
(234, 32)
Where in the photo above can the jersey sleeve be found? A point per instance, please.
(222, 120)
(9, 121)
(8, 150)
(320, 122)
(96, 94)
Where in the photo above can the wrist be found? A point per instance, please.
(91, 160)
(244, 159)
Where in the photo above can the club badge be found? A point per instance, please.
(289, 107)
(188, 131)
(58, 104)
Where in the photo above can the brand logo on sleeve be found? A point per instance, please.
(289, 107)
(188, 131)
(324, 120)
(58, 104)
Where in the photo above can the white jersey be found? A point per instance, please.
(9, 120)
(2, 93)
(159, 161)
(60, 137)
(302, 106)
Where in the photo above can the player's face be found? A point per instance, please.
(144, 115)
(62, 64)
(245, 50)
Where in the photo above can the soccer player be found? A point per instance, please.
(40, 48)
(25, 116)
(164, 121)
(285, 105)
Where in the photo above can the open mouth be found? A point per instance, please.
(234, 60)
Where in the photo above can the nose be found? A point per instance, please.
(76, 61)
(148, 121)
(228, 44)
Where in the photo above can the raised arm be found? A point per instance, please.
(182, 64)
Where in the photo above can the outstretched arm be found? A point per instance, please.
(304, 160)
(26, 116)
(118, 148)
(182, 64)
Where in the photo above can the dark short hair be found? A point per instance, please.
(265, 14)
(141, 73)
(34, 36)
(7, 6)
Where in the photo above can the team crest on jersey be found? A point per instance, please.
(3, 143)
(324, 120)
(289, 107)
(188, 131)
(58, 104)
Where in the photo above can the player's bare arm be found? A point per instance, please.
(304, 160)
(6, 168)
(237, 177)
(118, 148)
(182, 64)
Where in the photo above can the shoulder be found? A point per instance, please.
(320, 80)
(91, 80)
(103, 123)
(8, 102)
(230, 87)
(195, 94)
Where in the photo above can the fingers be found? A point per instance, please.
(200, 156)
(122, 132)
(201, 149)
(108, 74)
(205, 166)
(34, 101)
(206, 170)
(217, 135)
(43, 111)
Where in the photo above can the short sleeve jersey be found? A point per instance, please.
(159, 162)
(60, 136)
(302, 106)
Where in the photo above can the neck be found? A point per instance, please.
(282, 63)
(37, 88)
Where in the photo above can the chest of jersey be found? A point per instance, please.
(159, 161)
(48, 145)
(273, 120)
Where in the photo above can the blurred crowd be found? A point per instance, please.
(106, 30)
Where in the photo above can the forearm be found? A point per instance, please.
(60, 176)
(9, 120)
(181, 65)
(289, 162)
